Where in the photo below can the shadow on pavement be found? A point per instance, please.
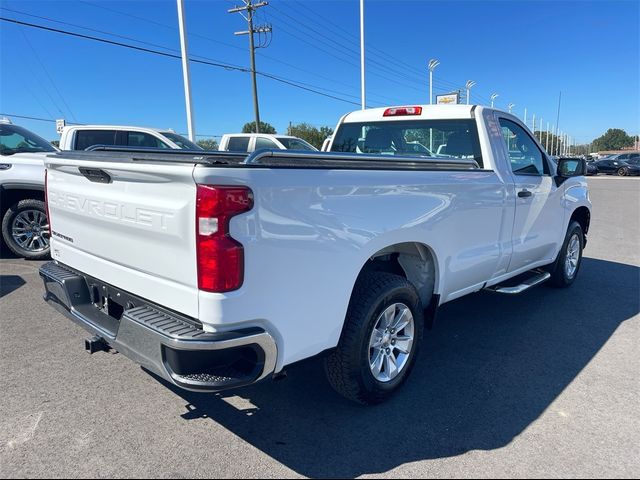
(10, 283)
(489, 369)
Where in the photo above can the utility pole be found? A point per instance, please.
(185, 71)
(250, 8)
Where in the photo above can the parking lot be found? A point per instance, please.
(539, 385)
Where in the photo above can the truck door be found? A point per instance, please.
(539, 218)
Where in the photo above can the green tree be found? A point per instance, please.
(315, 136)
(613, 139)
(208, 144)
(264, 128)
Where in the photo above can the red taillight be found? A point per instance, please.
(402, 111)
(46, 202)
(220, 257)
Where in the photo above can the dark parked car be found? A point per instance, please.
(592, 168)
(624, 157)
(612, 166)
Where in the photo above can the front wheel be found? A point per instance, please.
(565, 269)
(380, 340)
(25, 229)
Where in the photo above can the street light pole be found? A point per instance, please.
(493, 97)
(546, 139)
(525, 115)
(185, 71)
(511, 105)
(433, 63)
(540, 130)
(469, 85)
(362, 62)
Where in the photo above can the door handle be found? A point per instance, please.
(524, 194)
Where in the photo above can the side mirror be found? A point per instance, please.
(571, 167)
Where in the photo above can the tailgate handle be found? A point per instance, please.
(95, 175)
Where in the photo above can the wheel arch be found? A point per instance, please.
(12, 194)
(415, 261)
(582, 215)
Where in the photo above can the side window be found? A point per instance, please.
(141, 139)
(238, 144)
(89, 138)
(524, 155)
(262, 142)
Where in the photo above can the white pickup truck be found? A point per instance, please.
(218, 270)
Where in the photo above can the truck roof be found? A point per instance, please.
(117, 127)
(428, 112)
(274, 135)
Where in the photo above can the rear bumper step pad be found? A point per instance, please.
(166, 343)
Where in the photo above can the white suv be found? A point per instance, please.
(25, 228)
(250, 142)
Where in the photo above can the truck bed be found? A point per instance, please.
(270, 159)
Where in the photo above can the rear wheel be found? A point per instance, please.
(25, 229)
(381, 337)
(565, 269)
(622, 172)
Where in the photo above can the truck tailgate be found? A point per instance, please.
(129, 224)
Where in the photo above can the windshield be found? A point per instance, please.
(14, 139)
(182, 142)
(295, 144)
(418, 138)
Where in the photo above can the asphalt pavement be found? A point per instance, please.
(545, 384)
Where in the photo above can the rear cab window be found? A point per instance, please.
(262, 142)
(88, 138)
(453, 139)
(295, 144)
(238, 144)
(145, 140)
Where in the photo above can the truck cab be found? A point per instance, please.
(82, 137)
(250, 142)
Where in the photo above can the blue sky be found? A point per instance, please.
(527, 52)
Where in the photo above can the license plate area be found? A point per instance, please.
(109, 300)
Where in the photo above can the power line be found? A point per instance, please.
(170, 55)
(44, 69)
(315, 74)
(374, 51)
(40, 119)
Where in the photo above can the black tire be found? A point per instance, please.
(7, 226)
(622, 172)
(347, 367)
(560, 278)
